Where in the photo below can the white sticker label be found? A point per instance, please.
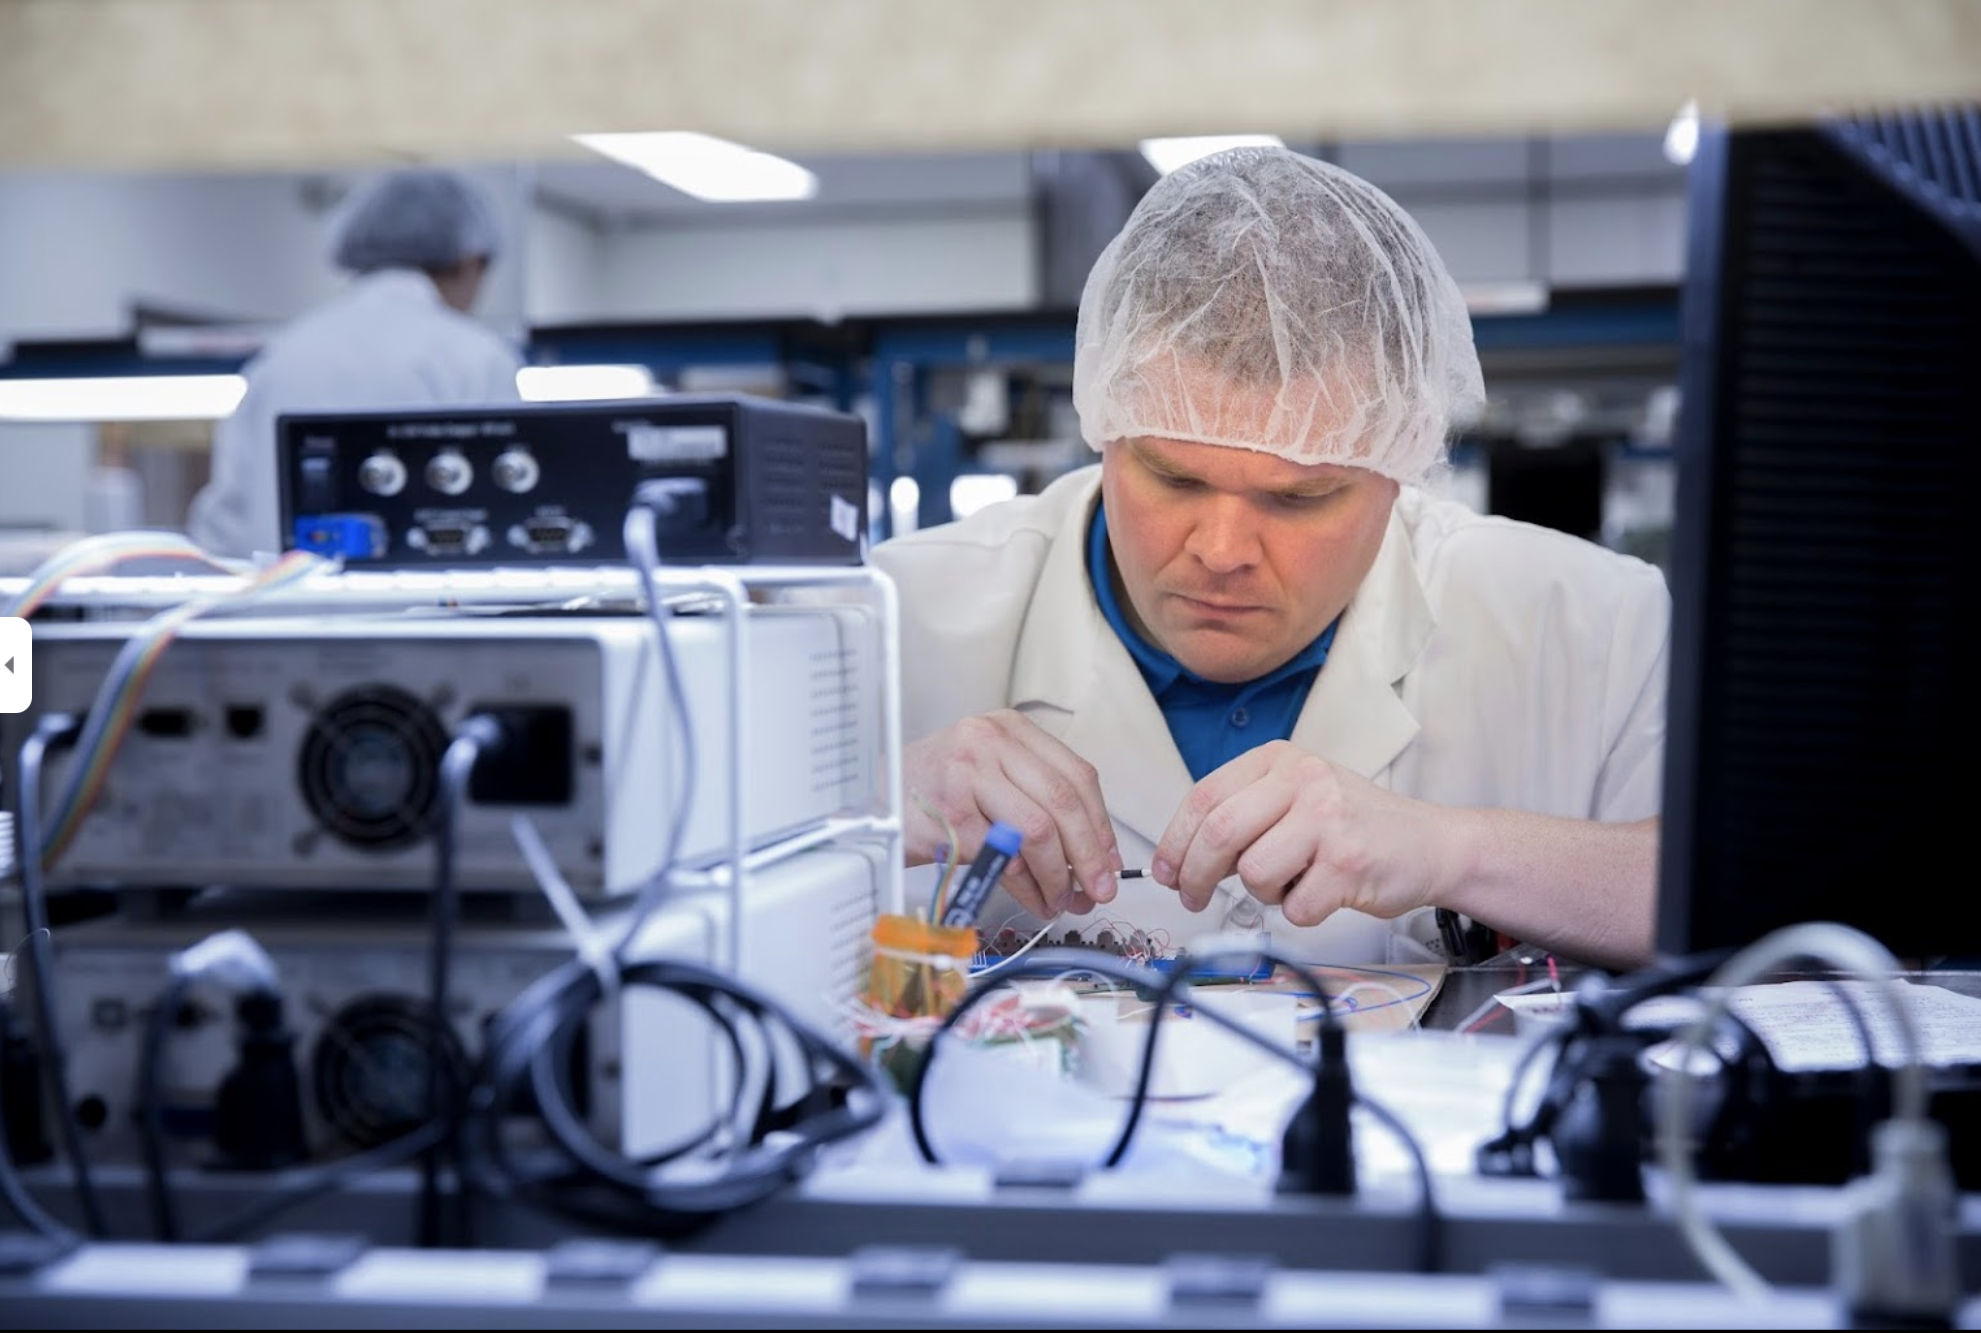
(844, 519)
(675, 444)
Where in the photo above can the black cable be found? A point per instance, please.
(298, 1188)
(1452, 935)
(151, 1109)
(302, 1186)
(1170, 989)
(529, 1039)
(475, 736)
(1050, 964)
(527, 1047)
(1600, 1005)
(14, 1190)
(53, 729)
(1058, 964)
(1430, 1221)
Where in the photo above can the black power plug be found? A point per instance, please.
(1599, 1136)
(1317, 1151)
(258, 1118)
(20, 1093)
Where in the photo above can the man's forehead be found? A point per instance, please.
(1256, 467)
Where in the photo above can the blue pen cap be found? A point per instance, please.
(1004, 838)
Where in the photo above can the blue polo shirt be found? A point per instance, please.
(1212, 723)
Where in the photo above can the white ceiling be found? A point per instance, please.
(268, 84)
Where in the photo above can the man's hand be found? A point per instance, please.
(1002, 766)
(1303, 833)
(1315, 838)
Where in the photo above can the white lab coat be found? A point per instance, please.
(1483, 662)
(387, 341)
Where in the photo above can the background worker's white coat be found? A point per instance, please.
(1483, 662)
(387, 341)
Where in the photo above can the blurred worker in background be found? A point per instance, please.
(1250, 643)
(420, 242)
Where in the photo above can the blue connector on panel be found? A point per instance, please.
(1209, 970)
(344, 535)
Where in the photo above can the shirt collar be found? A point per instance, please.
(1158, 668)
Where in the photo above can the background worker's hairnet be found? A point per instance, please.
(1270, 301)
(418, 217)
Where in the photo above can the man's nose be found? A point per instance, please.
(1225, 537)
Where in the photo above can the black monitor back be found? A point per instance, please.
(1824, 570)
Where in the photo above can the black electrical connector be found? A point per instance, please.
(1599, 1137)
(1317, 1150)
(258, 1120)
(26, 1125)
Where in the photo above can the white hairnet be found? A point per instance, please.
(414, 218)
(1266, 300)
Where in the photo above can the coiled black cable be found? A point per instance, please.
(1168, 990)
(525, 1063)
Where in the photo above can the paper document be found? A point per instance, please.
(1805, 1025)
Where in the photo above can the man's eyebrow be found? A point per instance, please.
(1158, 464)
(1312, 487)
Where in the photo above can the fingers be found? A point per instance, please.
(1070, 788)
(1062, 851)
(1313, 898)
(1277, 860)
(1002, 766)
(1224, 815)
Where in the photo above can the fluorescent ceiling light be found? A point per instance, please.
(706, 167)
(122, 398)
(569, 384)
(1166, 155)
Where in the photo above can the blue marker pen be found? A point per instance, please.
(1000, 845)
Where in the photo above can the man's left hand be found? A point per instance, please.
(1302, 833)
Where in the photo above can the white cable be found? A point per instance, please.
(589, 940)
(1841, 946)
(1020, 952)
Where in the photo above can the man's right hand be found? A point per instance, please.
(1003, 766)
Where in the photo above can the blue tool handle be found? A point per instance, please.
(1000, 845)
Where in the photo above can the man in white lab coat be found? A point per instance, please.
(1250, 651)
(420, 242)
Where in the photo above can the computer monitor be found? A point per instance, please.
(1824, 683)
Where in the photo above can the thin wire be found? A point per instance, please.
(474, 736)
(104, 551)
(1020, 952)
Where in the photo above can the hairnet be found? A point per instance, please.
(1266, 300)
(414, 218)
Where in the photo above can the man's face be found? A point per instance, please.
(1233, 561)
